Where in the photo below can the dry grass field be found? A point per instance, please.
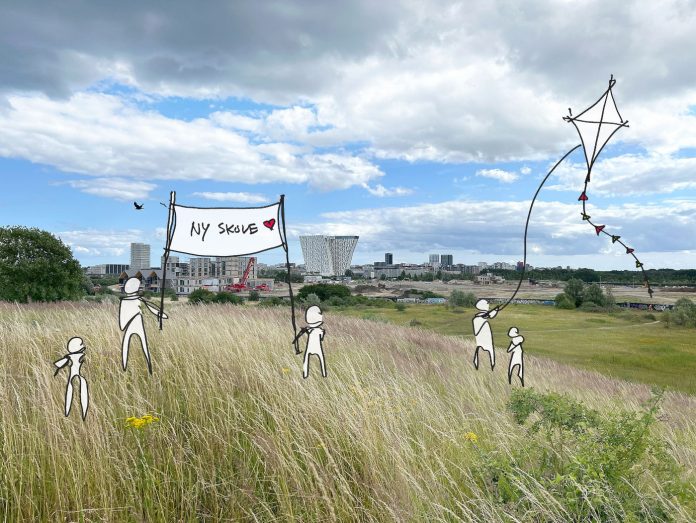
(403, 428)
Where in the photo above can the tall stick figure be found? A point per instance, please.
(74, 358)
(315, 336)
(130, 318)
(483, 333)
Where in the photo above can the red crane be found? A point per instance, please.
(242, 285)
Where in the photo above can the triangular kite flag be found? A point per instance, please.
(629, 250)
(585, 216)
(583, 197)
(638, 265)
(598, 229)
(614, 238)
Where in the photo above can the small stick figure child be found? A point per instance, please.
(517, 357)
(74, 358)
(130, 319)
(483, 333)
(315, 336)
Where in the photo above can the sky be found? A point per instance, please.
(421, 126)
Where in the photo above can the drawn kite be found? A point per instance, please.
(595, 125)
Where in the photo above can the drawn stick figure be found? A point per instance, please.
(315, 336)
(483, 333)
(517, 356)
(74, 358)
(130, 318)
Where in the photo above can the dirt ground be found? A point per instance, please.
(503, 290)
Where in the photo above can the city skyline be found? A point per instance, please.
(417, 141)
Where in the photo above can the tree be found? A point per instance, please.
(37, 266)
(593, 293)
(462, 299)
(574, 289)
(254, 295)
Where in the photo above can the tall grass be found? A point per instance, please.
(242, 437)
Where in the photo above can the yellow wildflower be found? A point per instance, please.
(470, 436)
(285, 370)
(138, 423)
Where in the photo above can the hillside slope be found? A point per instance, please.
(403, 428)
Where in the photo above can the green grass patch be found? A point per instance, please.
(624, 344)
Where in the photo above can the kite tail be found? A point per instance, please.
(526, 226)
(600, 229)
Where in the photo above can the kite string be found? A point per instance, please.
(526, 226)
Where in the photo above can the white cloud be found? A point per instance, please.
(525, 170)
(498, 174)
(117, 188)
(98, 243)
(102, 135)
(381, 191)
(628, 175)
(555, 228)
(241, 197)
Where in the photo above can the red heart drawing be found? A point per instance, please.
(270, 223)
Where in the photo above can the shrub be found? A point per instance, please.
(593, 294)
(228, 297)
(462, 299)
(415, 323)
(254, 296)
(311, 299)
(201, 296)
(324, 291)
(590, 306)
(589, 463)
(401, 307)
(574, 290)
(563, 301)
(174, 297)
(683, 313)
(273, 301)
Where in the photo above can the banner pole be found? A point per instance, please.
(172, 201)
(287, 265)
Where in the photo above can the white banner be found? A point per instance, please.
(226, 231)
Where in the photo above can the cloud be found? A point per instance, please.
(104, 136)
(498, 227)
(117, 188)
(525, 170)
(242, 197)
(628, 175)
(101, 243)
(498, 174)
(381, 191)
(459, 83)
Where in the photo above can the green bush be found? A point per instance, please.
(683, 313)
(563, 301)
(174, 297)
(593, 294)
(228, 297)
(311, 299)
(401, 307)
(459, 298)
(590, 306)
(201, 296)
(324, 291)
(574, 289)
(273, 301)
(254, 296)
(593, 465)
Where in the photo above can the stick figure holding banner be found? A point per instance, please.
(227, 231)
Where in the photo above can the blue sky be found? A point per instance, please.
(422, 128)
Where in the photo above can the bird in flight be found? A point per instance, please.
(138, 206)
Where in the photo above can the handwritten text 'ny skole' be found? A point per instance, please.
(201, 229)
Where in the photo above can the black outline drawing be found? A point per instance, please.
(279, 220)
(74, 358)
(130, 320)
(315, 337)
(614, 126)
(517, 356)
(482, 331)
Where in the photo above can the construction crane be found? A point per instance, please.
(243, 284)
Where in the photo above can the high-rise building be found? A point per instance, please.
(388, 258)
(139, 256)
(434, 258)
(446, 260)
(328, 255)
